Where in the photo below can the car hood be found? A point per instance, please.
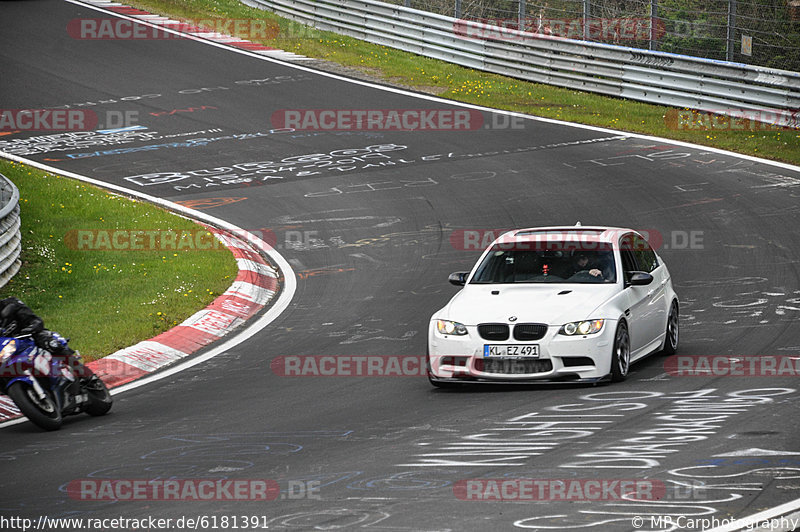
(554, 304)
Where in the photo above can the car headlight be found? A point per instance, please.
(451, 327)
(580, 328)
(8, 350)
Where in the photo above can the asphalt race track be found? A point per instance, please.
(366, 219)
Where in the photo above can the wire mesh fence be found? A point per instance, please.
(756, 32)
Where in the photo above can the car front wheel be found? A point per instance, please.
(671, 341)
(621, 354)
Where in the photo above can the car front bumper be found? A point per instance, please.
(582, 358)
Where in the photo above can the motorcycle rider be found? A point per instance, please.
(17, 319)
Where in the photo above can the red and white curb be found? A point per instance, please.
(178, 27)
(254, 287)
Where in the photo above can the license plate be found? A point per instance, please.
(504, 350)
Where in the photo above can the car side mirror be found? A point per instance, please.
(458, 278)
(638, 278)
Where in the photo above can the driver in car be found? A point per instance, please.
(581, 264)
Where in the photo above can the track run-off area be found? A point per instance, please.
(372, 223)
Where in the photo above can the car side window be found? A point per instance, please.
(645, 256)
(626, 253)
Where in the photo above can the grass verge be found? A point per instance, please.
(472, 86)
(105, 299)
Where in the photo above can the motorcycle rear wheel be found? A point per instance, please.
(99, 399)
(42, 413)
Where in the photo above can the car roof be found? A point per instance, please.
(566, 233)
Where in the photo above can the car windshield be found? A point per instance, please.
(560, 262)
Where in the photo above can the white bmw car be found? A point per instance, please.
(555, 303)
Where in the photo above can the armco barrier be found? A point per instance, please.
(762, 94)
(10, 238)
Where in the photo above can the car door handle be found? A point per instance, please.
(650, 293)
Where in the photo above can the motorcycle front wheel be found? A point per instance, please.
(42, 412)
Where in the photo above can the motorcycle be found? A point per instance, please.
(46, 388)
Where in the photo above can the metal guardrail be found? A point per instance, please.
(734, 89)
(10, 237)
